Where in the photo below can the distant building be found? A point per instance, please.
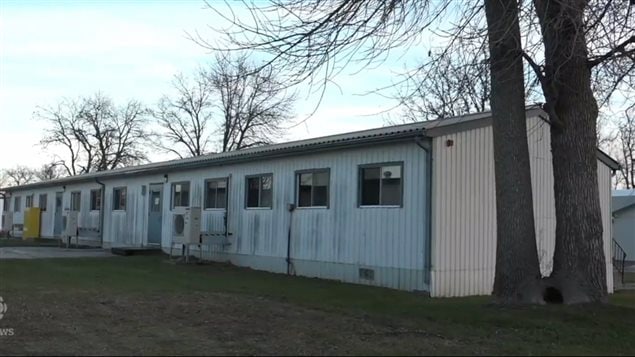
(624, 221)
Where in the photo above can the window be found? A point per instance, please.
(42, 201)
(95, 200)
(28, 201)
(259, 191)
(76, 200)
(216, 193)
(5, 204)
(180, 194)
(119, 198)
(17, 202)
(313, 188)
(380, 185)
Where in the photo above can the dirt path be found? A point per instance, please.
(50, 252)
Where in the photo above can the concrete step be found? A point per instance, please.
(136, 251)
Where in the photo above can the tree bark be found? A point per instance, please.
(579, 270)
(517, 278)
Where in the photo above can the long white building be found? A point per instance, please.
(408, 207)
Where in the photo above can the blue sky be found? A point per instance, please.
(132, 49)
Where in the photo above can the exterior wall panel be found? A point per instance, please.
(464, 213)
(604, 181)
(329, 243)
(624, 231)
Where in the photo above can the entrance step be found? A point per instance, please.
(136, 251)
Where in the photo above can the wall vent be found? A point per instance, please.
(366, 274)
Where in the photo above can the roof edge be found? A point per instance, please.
(215, 161)
(608, 160)
(352, 139)
(625, 208)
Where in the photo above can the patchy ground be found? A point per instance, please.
(33, 252)
(200, 323)
(144, 305)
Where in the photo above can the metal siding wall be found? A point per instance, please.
(129, 227)
(46, 220)
(604, 182)
(539, 140)
(623, 228)
(463, 256)
(48, 216)
(464, 209)
(390, 240)
(87, 219)
(18, 217)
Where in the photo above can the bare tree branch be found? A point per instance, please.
(95, 134)
(253, 104)
(618, 51)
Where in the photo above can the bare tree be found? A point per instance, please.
(577, 41)
(517, 277)
(96, 134)
(579, 270)
(49, 171)
(452, 83)
(185, 117)
(321, 37)
(63, 121)
(625, 150)
(232, 99)
(19, 175)
(254, 103)
(455, 85)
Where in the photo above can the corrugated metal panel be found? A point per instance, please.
(463, 255)
(604, 181)
(392, 239)
(464, 208)
(129, 227)
(539, 140)
(46, 228)
(329, 243)
(623, 228)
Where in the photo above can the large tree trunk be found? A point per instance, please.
(517, 278)
(579, 270)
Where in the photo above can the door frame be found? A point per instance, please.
(56, 212)
(149, 211)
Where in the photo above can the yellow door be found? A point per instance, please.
(31, 223)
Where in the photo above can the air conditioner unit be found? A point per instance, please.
(7, 221)
(186, 225)
(69, 223)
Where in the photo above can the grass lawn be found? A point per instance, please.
(144, 305)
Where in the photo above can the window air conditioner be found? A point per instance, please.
(69, 223)
(186, 225)
(7, 221)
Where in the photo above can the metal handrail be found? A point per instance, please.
(619, 259)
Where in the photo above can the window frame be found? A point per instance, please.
(98, 196)
(79, 208)
(379, 165)
(189, 194)
(328, 188)
(28, 201)
(39, 201)
(119, 189)
(205, 182)
(17, 203)
(247, 177)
